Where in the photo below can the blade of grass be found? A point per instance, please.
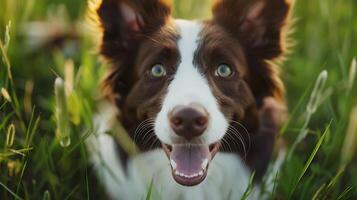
(87, 184)
(293, 112)
(22, 174)
(6, 119)
(345, 193)
(72, 192)
(249, 188)
(6, 60)
(46, 195)
(309, 161)
(16, 151)
(11, 192)
(311, 108)
(80, 142)
(324, 192)
(148, 195)
(350, 142)
(318, 192)
(3, 105)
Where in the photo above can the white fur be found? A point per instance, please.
(190, 86)
(227, 175)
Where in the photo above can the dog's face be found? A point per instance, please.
(192, 84)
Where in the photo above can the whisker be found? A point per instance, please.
(246, 131)
(226, 143)
(236, 133)
(150, 141)
(141, 129)
(148, 133)
(239, 135)
(236, 143)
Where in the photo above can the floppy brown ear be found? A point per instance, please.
(125, 22)
(256, 23)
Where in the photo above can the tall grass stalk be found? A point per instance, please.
(4, 47)
(5, 94)
(63, 129)
(11, 192)
(311, 108)
(352, 74)
(14, 102)
(10, 135)
(349, 146)
(310, 159)
(248, 191)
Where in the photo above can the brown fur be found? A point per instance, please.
(249, 42)
(263, 39)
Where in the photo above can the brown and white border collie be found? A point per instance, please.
(200, 99)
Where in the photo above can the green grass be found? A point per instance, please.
(38, 162)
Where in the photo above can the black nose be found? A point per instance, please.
(188, 121)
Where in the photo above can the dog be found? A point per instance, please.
(201, 99)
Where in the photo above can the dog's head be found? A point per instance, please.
(191, 83)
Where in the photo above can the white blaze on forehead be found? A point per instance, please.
(188, 43)
(189, 86)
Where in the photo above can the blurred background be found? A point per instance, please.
(42, 156)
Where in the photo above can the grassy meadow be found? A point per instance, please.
(43, 125)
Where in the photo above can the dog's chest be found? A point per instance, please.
(227, 176)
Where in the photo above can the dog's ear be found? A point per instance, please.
(259, 25)
(256, 23)
(126, 22)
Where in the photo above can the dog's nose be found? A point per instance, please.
(189, 121)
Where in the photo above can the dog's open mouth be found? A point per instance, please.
(189, 162)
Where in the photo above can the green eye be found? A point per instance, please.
(158, 71)
(223, 70)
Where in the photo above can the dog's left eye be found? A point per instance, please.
(224, 71)
(158, 70)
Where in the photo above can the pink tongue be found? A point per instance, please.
(189, 158)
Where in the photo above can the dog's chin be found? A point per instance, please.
(190, 162)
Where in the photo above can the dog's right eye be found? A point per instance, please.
(223, 71)
(158, 70)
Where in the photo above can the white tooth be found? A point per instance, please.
(177, 173)
(182, 174)
(173, 164)
(204, 163)
(200, 173)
